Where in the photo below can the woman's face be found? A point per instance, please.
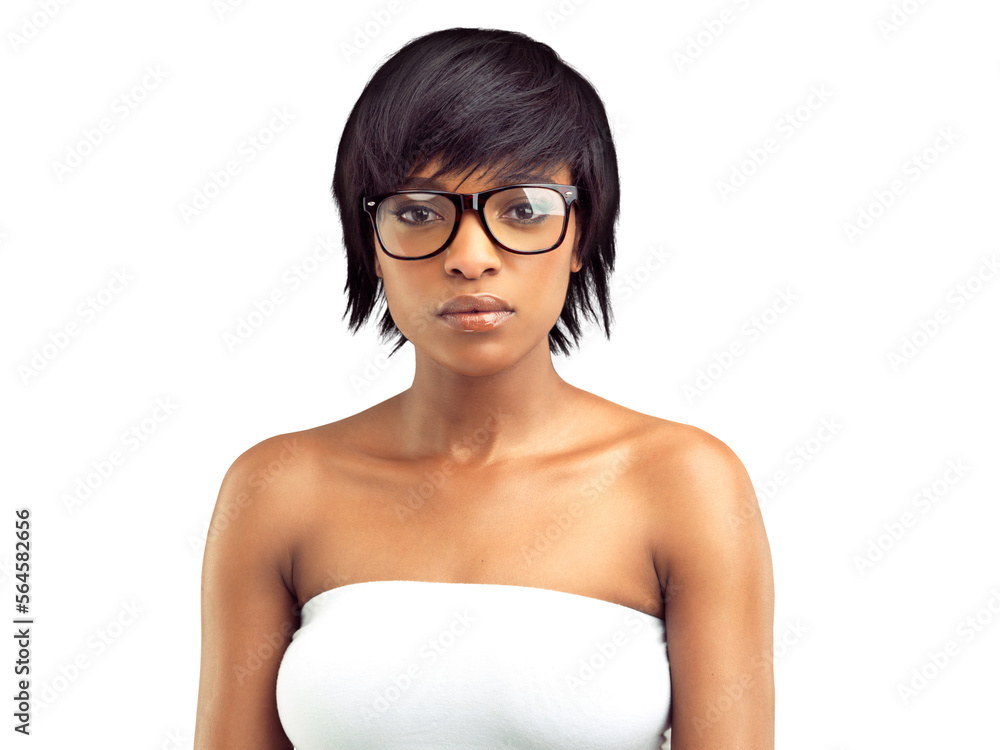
(533, 287)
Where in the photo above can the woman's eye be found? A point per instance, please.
(416, 215)
(527, 211)
(523, 211)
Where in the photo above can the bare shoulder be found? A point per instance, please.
(693, 470)
(269, 469)
(282, 476)
(698, 491)
(684, 468)
(268, 490)
(293, 460)
(671, 454)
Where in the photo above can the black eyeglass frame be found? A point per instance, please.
(470, 201)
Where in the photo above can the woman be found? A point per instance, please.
(492, 558)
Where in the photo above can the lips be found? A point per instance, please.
(475, 313)
(474, 303)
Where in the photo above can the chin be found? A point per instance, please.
(476, 362)
(475, 357)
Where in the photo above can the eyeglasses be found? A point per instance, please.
(524, 219)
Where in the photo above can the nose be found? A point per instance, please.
(472, 253)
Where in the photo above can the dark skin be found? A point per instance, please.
(451, 479)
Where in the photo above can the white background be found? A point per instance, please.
(848, 635)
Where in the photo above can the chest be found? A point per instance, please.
(580, 527)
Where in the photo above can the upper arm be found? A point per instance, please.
(719, 612)
(248, 612)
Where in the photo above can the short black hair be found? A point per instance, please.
(480, 99)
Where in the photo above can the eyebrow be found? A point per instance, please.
(431, 183)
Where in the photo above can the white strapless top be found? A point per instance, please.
(419, 665)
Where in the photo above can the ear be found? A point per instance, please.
(378, 266)
(577, 262)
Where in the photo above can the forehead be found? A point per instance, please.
(484, 178)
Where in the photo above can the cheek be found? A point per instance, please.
(395, 297)
(393, 286)
(409, 307)
(545, 279)
(412, 310)
(546, 287)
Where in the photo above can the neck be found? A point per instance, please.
(479, 419)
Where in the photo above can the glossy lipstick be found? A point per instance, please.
(475, 313)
